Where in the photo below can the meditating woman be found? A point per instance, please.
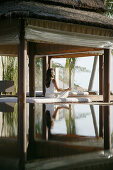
(51, 84)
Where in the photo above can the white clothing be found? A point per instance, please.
(50, 108)
(50, 92)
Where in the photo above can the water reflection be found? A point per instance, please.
(62, 118)
(8, 119)
(73, 119)
(54, 113)
(76, 124)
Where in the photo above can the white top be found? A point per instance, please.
(50, 108)
(50, 90)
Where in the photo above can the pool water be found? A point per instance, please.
(69, 119)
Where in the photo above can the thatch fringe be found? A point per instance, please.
(90, 5)
(33, 9)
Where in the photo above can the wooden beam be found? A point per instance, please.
(9, 50)
(101, 82)
(75, 55)
(46, 49)
(106, 97)
(22, 95)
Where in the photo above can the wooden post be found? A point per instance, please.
(45, 67)
(44, 126)
(22, 95)
(31, 145)
(106, 97)
(32, 52)
(49, 62)
(94, 119)
(93, 73)
(101, 82)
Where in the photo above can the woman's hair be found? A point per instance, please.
(49, 76)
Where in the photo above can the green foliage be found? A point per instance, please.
(70, 123)
(81, 69)
(10, 70)
(54, 65)
(109, 6)
(70, 62)
(9, 123)
(38, 62)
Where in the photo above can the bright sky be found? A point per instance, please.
(82, 78)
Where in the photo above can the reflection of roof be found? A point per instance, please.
(54, 12)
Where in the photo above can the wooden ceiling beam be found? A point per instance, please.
(76, 55)
(47, 49)
(8, 50)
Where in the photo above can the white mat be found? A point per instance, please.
(78, 93)
(45, 100)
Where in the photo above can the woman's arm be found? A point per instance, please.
(58, 89)
(60, 107)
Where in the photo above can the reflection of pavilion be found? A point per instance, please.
(55, 30)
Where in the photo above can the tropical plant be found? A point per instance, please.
(9, 65)
(109, 6)
(70, 122)
(55, 64)
(71, 65)
(9, 72)
(9, 123)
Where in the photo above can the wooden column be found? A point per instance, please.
(22, 95)
(94, 119)
(49, 62)
(31, 145)
(101, 83)
(106, 97)
(45, 67)
(45, 130)
(93, 73)
(32, 52)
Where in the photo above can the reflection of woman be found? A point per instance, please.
(51, 113)
(51, 84)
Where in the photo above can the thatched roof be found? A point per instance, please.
(52, 12)
(94, 5)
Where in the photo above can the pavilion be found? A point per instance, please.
(55, 29)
